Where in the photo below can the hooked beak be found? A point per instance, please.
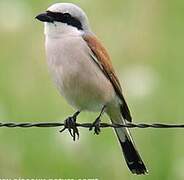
(44, 17)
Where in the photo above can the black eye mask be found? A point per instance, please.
(64, 18)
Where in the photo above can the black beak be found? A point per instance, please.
(44, 17)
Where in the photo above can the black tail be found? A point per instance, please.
(132, 157)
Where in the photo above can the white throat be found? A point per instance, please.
(58, 29)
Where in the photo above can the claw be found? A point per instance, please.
(71, 125)
(96, 126)
(96, 123)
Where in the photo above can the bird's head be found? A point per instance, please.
(64, 18)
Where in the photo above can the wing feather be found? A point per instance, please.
(102, 59)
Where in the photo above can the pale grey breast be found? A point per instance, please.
(76, 75)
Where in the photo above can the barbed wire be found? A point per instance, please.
(72, 126)
(88, 125)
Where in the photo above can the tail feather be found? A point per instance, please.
(132, 157)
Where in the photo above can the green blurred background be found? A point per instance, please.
(145, 40)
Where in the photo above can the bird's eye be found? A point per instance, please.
(66, 15)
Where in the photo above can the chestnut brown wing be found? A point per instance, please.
(101, 57)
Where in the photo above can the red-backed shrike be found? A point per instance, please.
(84, 75)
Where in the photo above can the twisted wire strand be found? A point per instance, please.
(88, 125)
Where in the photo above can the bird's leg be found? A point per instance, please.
(70, 124)
(96, 123)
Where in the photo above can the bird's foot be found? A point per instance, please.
(96, 123)
(71, 125)
(96, 126)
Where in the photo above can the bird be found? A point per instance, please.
(83, 73)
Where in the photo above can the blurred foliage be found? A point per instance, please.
(145, 40)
